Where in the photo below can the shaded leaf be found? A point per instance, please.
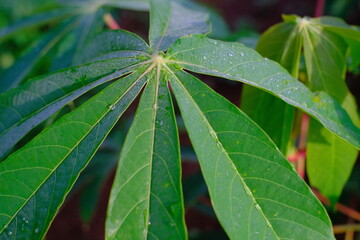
(172, 19)
(35, 20)
(330, 159)
(254, 189)
(22, 67)
(22, 108)
(236, 62)
(280, 43)
(140, 5)
(45, 169)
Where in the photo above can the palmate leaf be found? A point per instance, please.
(236, 62)
(147, 184)
(351, 35)
(325, 151)
(254, 190)
(41, 184)
(23, 108)
(147, 187)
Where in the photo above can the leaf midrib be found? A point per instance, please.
(213, 133)
(77, 144)
(313, 113)
(65, 96)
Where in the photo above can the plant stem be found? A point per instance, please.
(300, 164)
(110, 22)
(319, 10)
(346, 227)
(339, 207)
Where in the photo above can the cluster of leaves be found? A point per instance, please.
(326, 44)
(254, 189)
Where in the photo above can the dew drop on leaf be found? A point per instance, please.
(10, 233)
(159, 123)
(266, 59)
(36, 230)
(316, 99)
(242, 54)
(25, 220)
(112, 107)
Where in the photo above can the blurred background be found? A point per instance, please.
(82, 217)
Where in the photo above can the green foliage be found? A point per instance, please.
(255, 192)
(330, 158)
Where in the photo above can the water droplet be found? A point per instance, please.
(230, 54)
(275, 214)
(149, 223)
(204, 57)
(10, 233)
(266, 59)
(25, 220)
(36, 230)
(316, 99)
(242, 54)
(159, 123)
(112, 107)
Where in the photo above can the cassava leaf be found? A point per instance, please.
(114, 44)
(35, 20)
(325, 151)
(146, 200)
(45, 169)
(280, 43)
(21, 68)
(255, 192)
(22, 108)
(172, 19)
(139, 5)
(236, 62)
(260, 105)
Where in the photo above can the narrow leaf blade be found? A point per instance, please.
(45, 169)
(114, 44)
(280, 43)
(146, 200)
(23, 108)
(325, 151)
(22, 67)
(170, 19)
(35, 20)
(236, 62)
(254, 189)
